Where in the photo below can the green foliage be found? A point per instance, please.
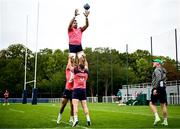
(108, 70)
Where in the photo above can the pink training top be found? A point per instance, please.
(80, 79)
(69, 85)
(6, 94)
(75, 36)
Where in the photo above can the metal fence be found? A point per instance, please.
(45, 100)
(172, 99)
(145, 85)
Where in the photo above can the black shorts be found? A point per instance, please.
(75, 48)
(6, 97)
(161, 95)
(79, 94)
(67, 94)
(119, 98)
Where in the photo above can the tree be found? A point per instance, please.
(108, 70)
(143, 70)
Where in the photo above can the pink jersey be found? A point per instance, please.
(75, 36)
(69, 85)
(80, 79)
(6, 94)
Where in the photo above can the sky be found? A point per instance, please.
(112, 23)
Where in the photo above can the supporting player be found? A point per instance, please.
(159, 92)
(67, 95)
(79, 91)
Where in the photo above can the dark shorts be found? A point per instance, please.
(6, 97)
(67, 94)
(75, 48)
(161, 95)
(79, 94)
(119, 98)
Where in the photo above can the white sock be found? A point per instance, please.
(71, 117)
(59, 115)
(75, 118)
(165, 119)
(156, 115)
(88, 118)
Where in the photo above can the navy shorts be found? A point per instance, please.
(75, 48)
(67, 94)
(161, 95)
(79, 94)
(119, 98)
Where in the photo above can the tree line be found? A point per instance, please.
(108, 70)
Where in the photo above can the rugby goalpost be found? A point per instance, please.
(34, 91)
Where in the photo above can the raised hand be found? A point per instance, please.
(86, 13)
(76, 13)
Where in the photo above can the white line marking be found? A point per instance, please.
(144, 114)
(14, 110)
(71, 125)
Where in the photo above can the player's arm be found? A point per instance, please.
(70, 64)
(155, 81)
(85, 62)
(86, 14)
(158, 77)
(72, 20)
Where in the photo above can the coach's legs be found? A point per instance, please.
(154, 110)
(153, 107)
(164, 110)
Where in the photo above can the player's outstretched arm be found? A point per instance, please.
(86, 14)
(70, 63)
(85, 62)
(72, 20)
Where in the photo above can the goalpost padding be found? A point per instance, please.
(24, 101)
(34, 96)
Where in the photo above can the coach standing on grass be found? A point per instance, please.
(159, 92)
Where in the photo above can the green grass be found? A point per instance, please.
(102, 116)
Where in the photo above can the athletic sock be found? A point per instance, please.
(75, 118)
(165, 119)
(156, 115)
(88, 118)
(71, 119)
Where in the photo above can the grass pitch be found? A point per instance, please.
(102, 116)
